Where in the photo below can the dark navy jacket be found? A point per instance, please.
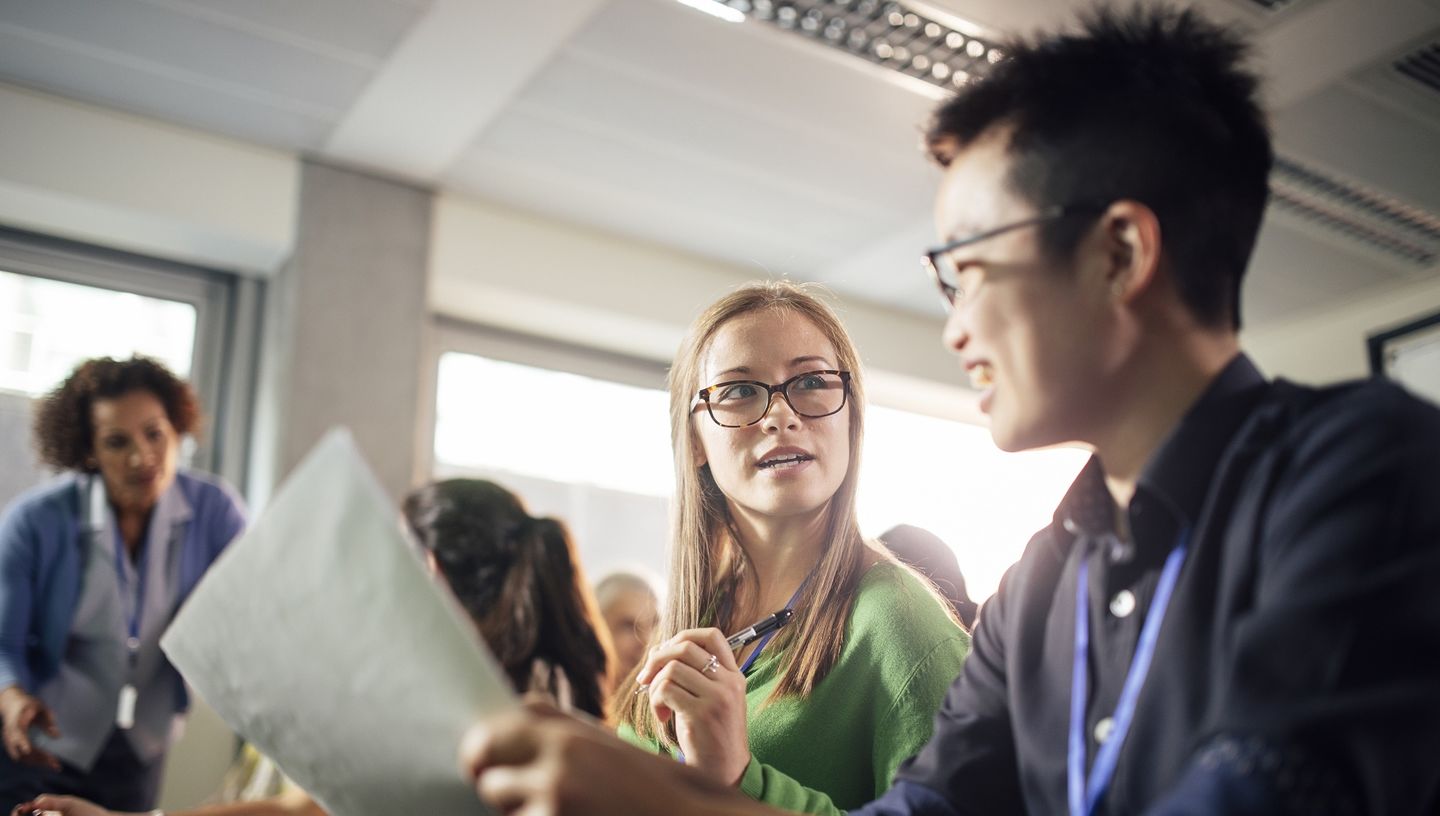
(1298, 667)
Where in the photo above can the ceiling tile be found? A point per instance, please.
(689, 204)
(130, 88)
(231, 61)
(677, 125)
(1360, 136)
(367, 28)
(1294, 271)
(801, 90)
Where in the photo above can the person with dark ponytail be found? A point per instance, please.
(519, 579)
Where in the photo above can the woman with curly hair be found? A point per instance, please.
(92, 569)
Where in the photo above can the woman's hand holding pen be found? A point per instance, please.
(693, 677)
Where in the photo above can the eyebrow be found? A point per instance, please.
(809, 358)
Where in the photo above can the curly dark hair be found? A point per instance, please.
(64, 430)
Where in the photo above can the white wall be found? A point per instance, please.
(122, 181)
(1330, 345)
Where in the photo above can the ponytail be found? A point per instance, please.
(520, 580)
(569, 636)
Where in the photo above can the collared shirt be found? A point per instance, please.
(1298, 666)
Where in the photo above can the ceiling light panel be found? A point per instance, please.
(891, 35)
(1422, 65)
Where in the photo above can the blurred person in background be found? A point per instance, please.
(631, 609)
(933, 559)
(92, 569)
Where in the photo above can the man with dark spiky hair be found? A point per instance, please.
(1234, 609)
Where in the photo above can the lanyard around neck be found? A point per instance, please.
(133, 603)
(1083, 795)
(760, 647)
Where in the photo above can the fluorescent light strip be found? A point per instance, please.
(893, 35)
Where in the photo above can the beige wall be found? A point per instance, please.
(499, 267)
(122, 181)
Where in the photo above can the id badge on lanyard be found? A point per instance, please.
(125, 712)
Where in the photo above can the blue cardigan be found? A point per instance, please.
(41, 560)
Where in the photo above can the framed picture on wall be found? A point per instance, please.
(1410, 355)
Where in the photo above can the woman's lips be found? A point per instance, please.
(982, 379)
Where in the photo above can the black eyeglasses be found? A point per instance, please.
(946, 274)
(738, 403)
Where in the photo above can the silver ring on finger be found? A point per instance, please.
(712, 667)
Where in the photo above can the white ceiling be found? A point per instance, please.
(733, 141)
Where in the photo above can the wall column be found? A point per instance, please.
(346, 327)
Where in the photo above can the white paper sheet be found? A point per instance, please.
(320, 637)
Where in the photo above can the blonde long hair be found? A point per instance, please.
(706, 560)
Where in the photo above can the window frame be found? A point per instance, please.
(449, 334)
(217, 298)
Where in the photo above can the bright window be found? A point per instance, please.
(552, 425)
(949, 478)
(50, 326)
(597, 453)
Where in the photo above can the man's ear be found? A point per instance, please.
(1131, 235)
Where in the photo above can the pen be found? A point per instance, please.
(748, 635)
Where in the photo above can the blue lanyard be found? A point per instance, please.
(760, 647)
(1084, 797)
(135, 604)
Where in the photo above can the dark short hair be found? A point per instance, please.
(520, 580)
(1151, 105)
(64, 427)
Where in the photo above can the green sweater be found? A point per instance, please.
(838, 748)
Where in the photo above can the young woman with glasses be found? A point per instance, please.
(767, 416)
